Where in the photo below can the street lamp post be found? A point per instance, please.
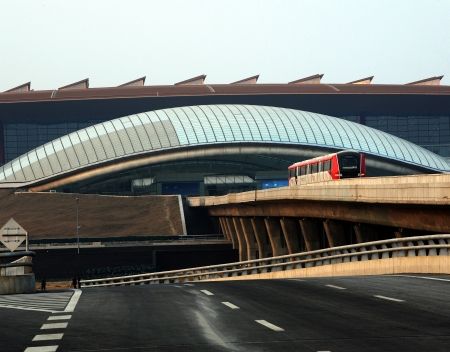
(78, 227)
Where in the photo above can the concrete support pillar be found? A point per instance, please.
(276, 237)
(291, 232)
(252, 246)
(224, 228)
(365, 233)
(262, 237)
(241, 239)
(311, 231)
(335, 231)
(231, 231)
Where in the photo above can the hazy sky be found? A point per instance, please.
(53, 42)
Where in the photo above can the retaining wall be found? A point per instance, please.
(17, 284)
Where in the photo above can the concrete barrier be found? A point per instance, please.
(397, 265)
(17, 284)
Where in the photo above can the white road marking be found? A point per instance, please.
(73, 301)
(54, 326)
(269, 325)
(189, 285)
(48, 337)
(206, 292)
(44, 302)
(27, 308)
(59, 317)
(296, 280)
(336, 287)
(41, 349)
(424, 277)
(389, 298)
(230, 305)
(178, 286)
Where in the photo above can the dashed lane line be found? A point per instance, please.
(54, 326)
(189, 285)
(59, 317)
(336, 287)
(41, 349)
(269, 325)
(424, 277)
(58, 325)
(389, 298)
(230, 305)
(206, 292)
(48, 337)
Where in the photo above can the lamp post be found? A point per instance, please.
(78, 226)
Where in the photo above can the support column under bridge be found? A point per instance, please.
(261, 237)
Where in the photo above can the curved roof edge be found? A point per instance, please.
(141, 134)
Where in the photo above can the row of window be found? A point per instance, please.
(309, 169)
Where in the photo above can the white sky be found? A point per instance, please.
(53, 42)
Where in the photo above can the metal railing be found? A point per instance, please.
(111, 242)
(432, 245)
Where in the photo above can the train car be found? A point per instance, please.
(344, 164)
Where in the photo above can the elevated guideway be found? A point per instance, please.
(288, 220)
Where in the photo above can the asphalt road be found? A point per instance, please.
(390, 313)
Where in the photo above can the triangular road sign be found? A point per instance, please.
(12, 234)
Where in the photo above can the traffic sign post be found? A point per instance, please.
(12, 235)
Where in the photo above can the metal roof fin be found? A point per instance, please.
(431, 81)
(139, 82)
(314, 79)
(20, 89)
(248, 80)
(366, 80)
(83, 84)
(194, 80)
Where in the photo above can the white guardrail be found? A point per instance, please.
(432, 245)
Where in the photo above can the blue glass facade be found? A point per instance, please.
(188, 126)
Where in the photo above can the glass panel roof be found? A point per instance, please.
(209, 124)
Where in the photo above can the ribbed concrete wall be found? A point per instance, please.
(390, 266)
(17, 284)
(53, 215)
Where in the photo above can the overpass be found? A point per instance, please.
(280, 221)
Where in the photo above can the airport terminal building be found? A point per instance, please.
(195, 138)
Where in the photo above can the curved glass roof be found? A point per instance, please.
(209, 124)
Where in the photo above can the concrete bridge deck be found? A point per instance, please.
(414, 189)
(286, 220)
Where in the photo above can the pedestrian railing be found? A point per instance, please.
(432, 245)
(161, 240)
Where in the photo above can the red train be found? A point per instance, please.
(345, 164)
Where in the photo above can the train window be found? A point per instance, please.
(313, 168)
(327, 165)
(320, 166)
(303, 171)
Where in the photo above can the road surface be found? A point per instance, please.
(384, 313)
